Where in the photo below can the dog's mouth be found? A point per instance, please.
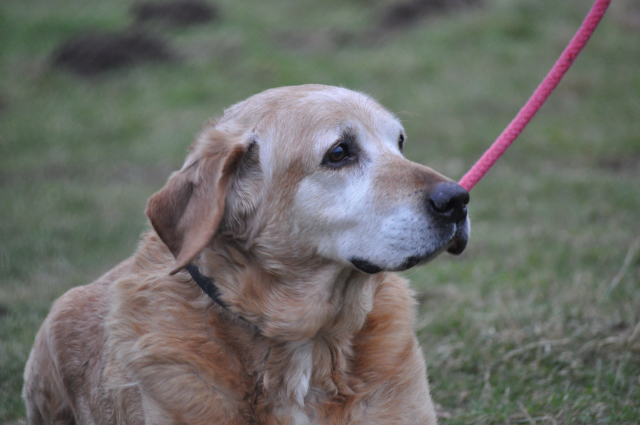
(459, 241)
(455, 246)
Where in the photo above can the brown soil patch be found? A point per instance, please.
(92, 53)
(626, 164)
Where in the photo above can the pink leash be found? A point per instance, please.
(538, 98)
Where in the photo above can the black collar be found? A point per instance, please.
(206, 284)
(209, 287)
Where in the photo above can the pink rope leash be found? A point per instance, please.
(538, 98)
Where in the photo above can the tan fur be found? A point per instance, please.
(308, 338)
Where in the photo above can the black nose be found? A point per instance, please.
(449, 200)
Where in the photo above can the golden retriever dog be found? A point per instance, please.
(264, 292)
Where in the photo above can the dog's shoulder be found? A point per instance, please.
(166, 336)
(77, 316)
(69, 356)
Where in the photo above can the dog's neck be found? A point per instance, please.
(307, 319)
(304, 300)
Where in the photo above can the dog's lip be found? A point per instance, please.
(457, 246)
(458, 242)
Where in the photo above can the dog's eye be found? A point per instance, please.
(343, 153)
(401, 142)
(337, 154)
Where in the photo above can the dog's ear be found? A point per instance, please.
(186, 213)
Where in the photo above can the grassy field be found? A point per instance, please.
(538, 322)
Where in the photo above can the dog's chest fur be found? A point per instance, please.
(222, 365)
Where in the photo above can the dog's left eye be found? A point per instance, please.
(401, 142)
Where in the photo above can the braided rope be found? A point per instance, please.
(538, 98)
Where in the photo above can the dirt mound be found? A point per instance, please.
(92, 53)
(407, 12)
(179, 13)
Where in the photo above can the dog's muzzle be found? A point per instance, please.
(446, 204)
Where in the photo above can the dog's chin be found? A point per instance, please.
(365, 266)
(455, 246)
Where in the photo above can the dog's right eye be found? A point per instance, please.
(339, 155)
(344, 152)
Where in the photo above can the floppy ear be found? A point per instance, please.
(186, 213)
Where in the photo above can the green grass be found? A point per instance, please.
(537, 322)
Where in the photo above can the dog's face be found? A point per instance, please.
(315, 170)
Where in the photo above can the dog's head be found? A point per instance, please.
(310, 171)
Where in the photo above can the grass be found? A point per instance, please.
(537, 322)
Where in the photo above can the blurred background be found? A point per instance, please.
(537, 322)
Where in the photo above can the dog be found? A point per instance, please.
(264, 291)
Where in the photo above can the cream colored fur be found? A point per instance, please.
(308, 338)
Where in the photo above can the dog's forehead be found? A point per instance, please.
(344, 109)
(303, 110)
